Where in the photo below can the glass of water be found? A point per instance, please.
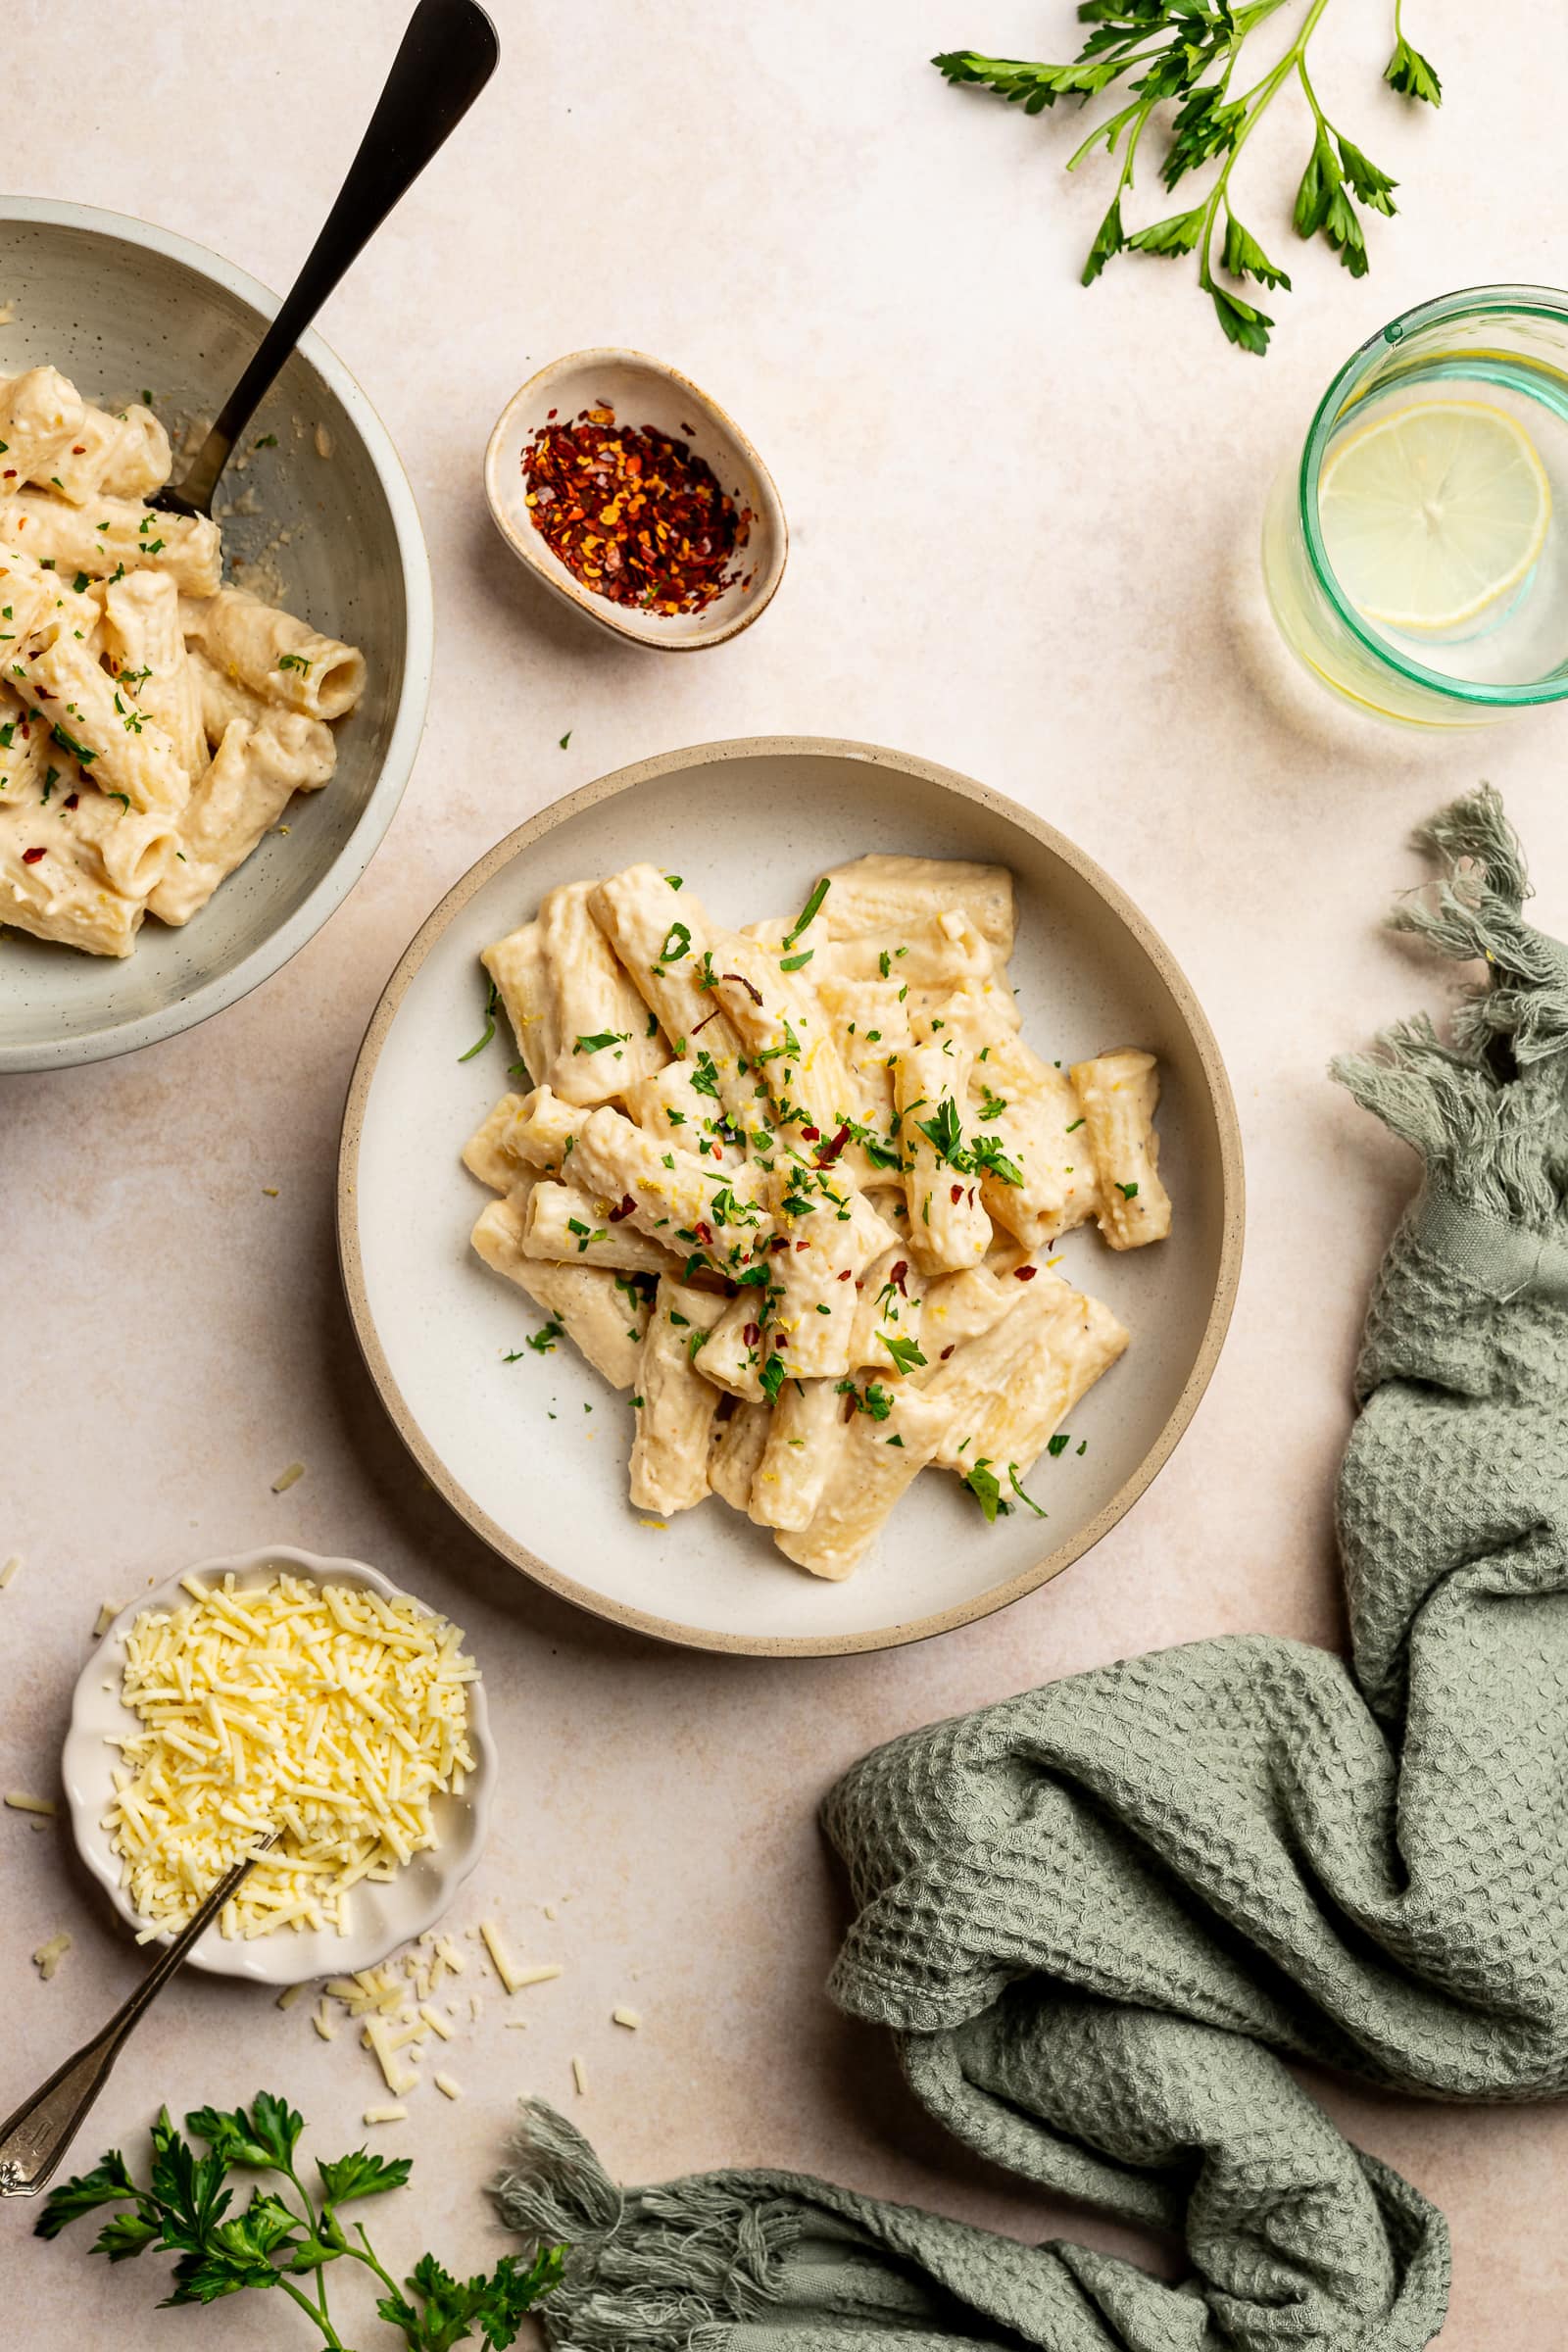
(1416, 557)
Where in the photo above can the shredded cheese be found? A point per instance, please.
(289, 1995)
(628, 2018)
(289, 1478)
(446, 2088)
(321, 1710)
(47, 1958)
(386, 2114)
(108, 1611)
(579, 2076)
(501, 1959)
(9, 1571)
(20, 1802)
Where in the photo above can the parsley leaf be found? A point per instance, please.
(599, 1040)
(905, 1354)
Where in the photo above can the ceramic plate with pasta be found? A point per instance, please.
(154, 723)
(798, 1190)
(786, 1257)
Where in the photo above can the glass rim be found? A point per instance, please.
(1538, 301)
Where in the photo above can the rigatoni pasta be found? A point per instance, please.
(794, 1186)
(154, 725)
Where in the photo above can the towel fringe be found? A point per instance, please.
(674, 2269)
(1485, 1113)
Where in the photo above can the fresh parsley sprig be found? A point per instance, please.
(1185, 55)
(186, 2207)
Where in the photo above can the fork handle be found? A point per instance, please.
(447, 55)
(34, 2140)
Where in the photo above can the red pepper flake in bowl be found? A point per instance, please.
(633, 514)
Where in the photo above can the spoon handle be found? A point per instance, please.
(447, 55)
(35, 2139)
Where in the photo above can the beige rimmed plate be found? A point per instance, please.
(532, 1452)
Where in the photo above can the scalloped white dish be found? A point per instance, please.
(385, 1915)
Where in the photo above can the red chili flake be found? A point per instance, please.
(780, 1241)
(802, 1245)
(1024, 1273)
(957, 1191)
(703, 1232)
(10, 474)
(750, 1333)
(749, 986)
(830, 1152)
(711, 1016)
(844, 1276)
(30, 856)
(946, 1352)
(78, 449)
(624, 1211)
(896, 1277)
(71, 799)
(810, 1134)
(632, 514)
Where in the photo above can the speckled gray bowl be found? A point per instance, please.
(124, 308)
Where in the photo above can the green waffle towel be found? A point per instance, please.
(1098, 1918)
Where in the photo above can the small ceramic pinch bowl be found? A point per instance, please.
(383, 1916)
(642, 393)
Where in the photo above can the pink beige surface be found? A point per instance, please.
(1023, 525)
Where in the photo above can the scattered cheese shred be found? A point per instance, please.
(516, 2024)
(321, 2020)
(505, 1966)
(545, 1973)
(628, 2018)
(321, 1710)
(446, 2088)
(289, 1478)
(47, 1958)
(289, 1995)
(579, 2076)
(9, 1571)
(435, 2020)
(386, 2114)
(20, 1802)
(108, 1611)
(270, 1191)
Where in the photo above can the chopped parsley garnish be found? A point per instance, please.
(905, 1354)
(945, 1135)
(808, 914)
(986, 1488)
(1128, 1192)
(705, 1078)
(772, 1377)
(1059, 1445)
(68, 743)
(566, 739)
(267, 441)
(599, 1040)
(793, 963)
(992, 1105)
(286, 660)
(1073, 1129)
(490, 1003)
(1027, 1499)
(677, 943)
(674, 881)
(884, 964)
(986, 1153)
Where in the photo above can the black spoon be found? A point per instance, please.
(447, 55)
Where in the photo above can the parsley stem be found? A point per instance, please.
(333, 2340)
(369, 2260)
(311, 2217)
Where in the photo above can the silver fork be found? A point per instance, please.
(34, 2139)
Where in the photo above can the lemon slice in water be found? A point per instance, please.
(1435, 514)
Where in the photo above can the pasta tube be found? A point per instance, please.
(664, 940)
(668, 1194)
(883, 894)
(1005, 1393)
(113, 534)
(1119, 1092)
(146, 649)
(566, 1223)
(40, 411)
(125, 455)
(581, 1028)
(737, 1448)
(676, 1406)
(874, 1463)
(804, 1433)
(949, 1226)
(1034, 1113)
(523, 1134)
(65, 893)
(90, 717)
(280, 659)
(241, 795)
(602, 1314)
